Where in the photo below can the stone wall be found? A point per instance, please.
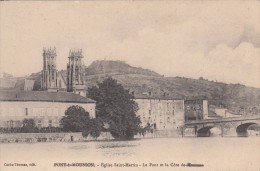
(40, 137)
(161, 134)
(51, 137)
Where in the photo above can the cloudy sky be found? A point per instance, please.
(216, 40)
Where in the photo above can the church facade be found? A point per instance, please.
(75, 81)
(53, 80)
(58, 92)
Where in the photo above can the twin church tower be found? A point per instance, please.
(54, 80)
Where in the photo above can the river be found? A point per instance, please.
(228, 153)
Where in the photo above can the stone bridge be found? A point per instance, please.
(226, 126)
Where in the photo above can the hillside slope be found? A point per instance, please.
(142, 81)
(116, 67)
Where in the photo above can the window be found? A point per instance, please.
(26, 111)
(150, 112)
(77, 73)
(198, 107)
(173, 112)
(59, 83)
(60, 124)
(149, 119)
(173, 105)
(39, 123)
(50, 123)
(52, 74)
(11, 124)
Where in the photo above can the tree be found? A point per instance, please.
(29, 126)
(95, 127)
(76, 119)
(115, 106)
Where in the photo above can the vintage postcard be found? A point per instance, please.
(130, 85)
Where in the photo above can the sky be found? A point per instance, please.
(215, 40)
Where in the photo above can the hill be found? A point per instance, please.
(144, 83)
(140, 82)
(116, 68)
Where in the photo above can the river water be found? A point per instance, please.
(216, 153)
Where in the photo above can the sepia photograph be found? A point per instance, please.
(129, 85)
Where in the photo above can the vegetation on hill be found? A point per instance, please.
(116, 67)
(235, 97)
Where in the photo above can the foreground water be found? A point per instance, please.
(145, 154)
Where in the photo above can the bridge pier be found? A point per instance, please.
(189, 132)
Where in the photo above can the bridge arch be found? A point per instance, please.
(242, 129)
(208, 131)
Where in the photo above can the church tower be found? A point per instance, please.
(75, 81)
(49, 72)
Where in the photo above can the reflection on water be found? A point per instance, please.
(117, 144)
(118, 148)
(107, 148)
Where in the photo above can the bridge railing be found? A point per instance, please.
(242, 118)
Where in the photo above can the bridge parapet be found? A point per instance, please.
(222, 120)
(228, 126)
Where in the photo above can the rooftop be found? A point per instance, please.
(14, 95)
(152, 95)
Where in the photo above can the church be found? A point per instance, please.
(58, 93)
(62, 89)
(53, 80)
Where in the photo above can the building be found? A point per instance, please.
(220, 112)
(46, 108)
(58, 93)
(51, 78)
(24, 84)
(28, 85)
(161, 114)
(75, 81)
(54, 81)
(196, 109)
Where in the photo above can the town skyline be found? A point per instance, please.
(207, 40)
